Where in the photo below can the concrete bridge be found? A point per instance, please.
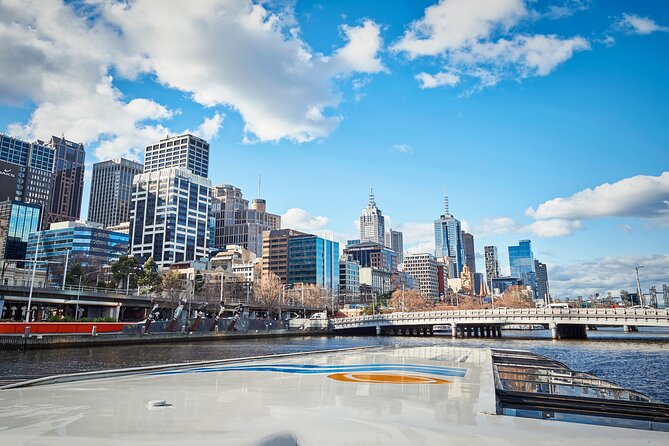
(563, 323)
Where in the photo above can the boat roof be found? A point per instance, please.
(417, 395)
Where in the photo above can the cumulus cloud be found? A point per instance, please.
(233, 53)
(475, 39)
(542, 228)
(640, 196)
(634, 24)
(296, 218)
(417, 237)
(608, 274)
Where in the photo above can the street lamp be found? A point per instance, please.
(76, 311)
(638, 285)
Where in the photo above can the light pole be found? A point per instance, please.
(32, 279)
(638, 285)
(67, 260)
(76, 311)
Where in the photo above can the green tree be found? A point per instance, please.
(122, 268)
(74, 273)
(149, 277)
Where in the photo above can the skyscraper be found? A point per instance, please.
(314, 260)
(238, 224)
(423, 270)
(491, 265)
(17, 221)
(185, 150)
(26, 172)
(372, 225)
(67, 189)
(470, 253)
(111, 191)
(394, 241)
(542, 281)
(448, 240)
(521, 263)
(275, 252)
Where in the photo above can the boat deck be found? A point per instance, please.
(421, 395)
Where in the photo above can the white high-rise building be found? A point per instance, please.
(423, 269)
(394, 241)
(170, 216)
(111, 191)
(186, 151)
(372, 226)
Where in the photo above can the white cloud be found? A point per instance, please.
(210, 126)
(566, 9)
(542, 228)
(608, 274)
(427, 80)
(417, 237)
(234, 53)
(553, 228)
(634, 24)
(296, 218)
(475, 40)
(640, 196)
(403, 148)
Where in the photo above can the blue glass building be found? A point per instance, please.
(88, 244)
(17, 221)
(314, 260)
(521, 262)
(448, 242)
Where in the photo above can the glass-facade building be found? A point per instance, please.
(521, 263)
(17, 221)
(88, 243)
(349, 281)
(67, 190)
(314, 260)
(169, 219)
(448, 242)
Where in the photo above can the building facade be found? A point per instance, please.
(501, 283)
(372, 255)
(349, 281)
(26, 172)
(169, 219)
(17, 221)
(423, 269)
(186, 151)
(275, 252)
(87, 243)
(67, 189)
(521, 263)
(372, 223)
(395, 241)
(470, 252)
(448, 240)
(238, 224)
(313, 260)
(542, 281)
(111, 191)
(378, 281)
(491, 264)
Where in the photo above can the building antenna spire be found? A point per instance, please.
(259, 177)
(446, 210)
(372, 203)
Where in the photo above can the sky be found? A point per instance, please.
(541, 120)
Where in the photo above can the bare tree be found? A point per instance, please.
(515, 296)
(268, 291)
(173, 289)
(409, 300)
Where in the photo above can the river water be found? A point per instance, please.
(638, 361)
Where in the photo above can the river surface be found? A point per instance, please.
(639, 361)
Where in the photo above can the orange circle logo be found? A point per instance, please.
(386, 378)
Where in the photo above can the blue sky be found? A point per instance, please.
(505, 104)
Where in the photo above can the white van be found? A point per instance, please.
(560, 305)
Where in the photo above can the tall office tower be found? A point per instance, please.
(169, 217)
(542, 281)
(521, 262)
(26, 172)
(491, 264)
(275, 252)
(111, 191)
(349, 281)
(185, 150)
(17, 221)
(67, 189)
(423, 270)
(314, 260)
(470, 253)
(372, 226)
(395, 241)
(238, 224)
(448, 241)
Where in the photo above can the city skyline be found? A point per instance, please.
(576, 160)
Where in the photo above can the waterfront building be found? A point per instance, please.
(542, 281)
(235, 223)
(111, 191)
(394, 241)
(169, 218)
(239, 261)
(349, 281)
(491, 264)
(521, 263)
(313, 260)
(185, 150)
(88, 243)
(373, 255)
(275, 252)
(17, 221)
(500, 284)
(67, 188)
(372, 223)
(26, 172)
(448, 240)
(378, 281)
(423, 269)
(470, 252)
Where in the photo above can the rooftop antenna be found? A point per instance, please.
(371, 197)
(259, 177)
(446, 210)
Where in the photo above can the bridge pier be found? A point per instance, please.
(568, 331)
(630, 328)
